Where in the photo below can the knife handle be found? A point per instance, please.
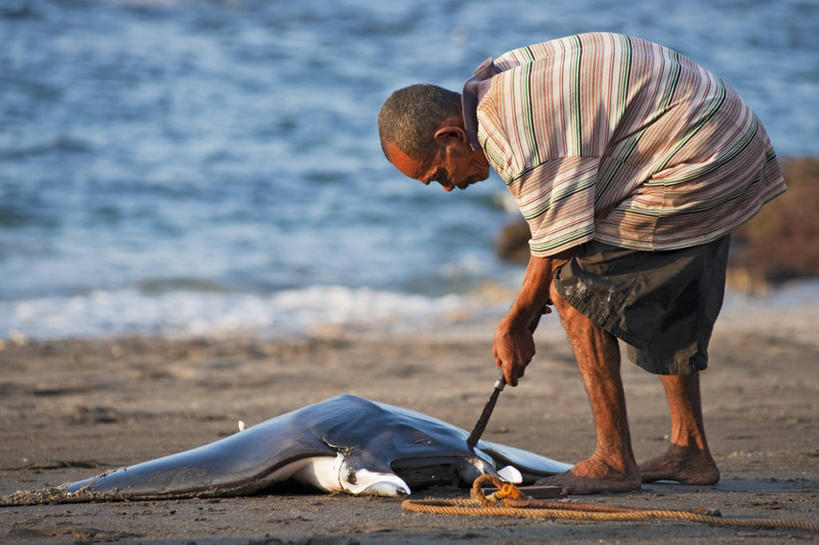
(500, 382)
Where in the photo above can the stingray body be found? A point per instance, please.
(345, 443)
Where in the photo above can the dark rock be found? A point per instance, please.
(512, 243)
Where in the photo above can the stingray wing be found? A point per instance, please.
(532, 466)
(242, 463)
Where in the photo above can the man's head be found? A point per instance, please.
(422, 134)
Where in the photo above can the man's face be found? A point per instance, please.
(455, 165)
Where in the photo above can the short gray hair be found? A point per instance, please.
(409, 117)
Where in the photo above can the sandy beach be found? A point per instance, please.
(71, 409)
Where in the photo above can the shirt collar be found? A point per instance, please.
(474, 90)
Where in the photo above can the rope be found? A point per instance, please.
(517, 504)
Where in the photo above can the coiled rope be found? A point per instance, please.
(516, 504)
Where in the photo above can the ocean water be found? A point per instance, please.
(192, 167)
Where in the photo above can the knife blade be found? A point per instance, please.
(480, 426)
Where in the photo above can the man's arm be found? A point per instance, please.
(514, 344)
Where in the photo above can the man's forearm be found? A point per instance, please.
(532, 297)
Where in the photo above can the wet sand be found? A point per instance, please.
(71, 409)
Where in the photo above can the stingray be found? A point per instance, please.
(343, 444)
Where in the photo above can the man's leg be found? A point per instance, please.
(612, 466)
(688, 459)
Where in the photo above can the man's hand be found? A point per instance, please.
(536, 320)
(513, 349)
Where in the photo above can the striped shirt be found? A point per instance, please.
(609, 137)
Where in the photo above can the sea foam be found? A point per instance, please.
(194, 313)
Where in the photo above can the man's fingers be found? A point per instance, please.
(536, 320)
(511, 379)
(512, 374)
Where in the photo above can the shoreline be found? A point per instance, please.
(478, 312)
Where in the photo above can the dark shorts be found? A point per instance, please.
(663, 304)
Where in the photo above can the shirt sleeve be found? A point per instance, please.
(557, 200)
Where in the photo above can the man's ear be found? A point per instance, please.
(450, 131)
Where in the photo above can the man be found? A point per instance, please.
(632, 165)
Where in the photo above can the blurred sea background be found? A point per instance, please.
(193, 167)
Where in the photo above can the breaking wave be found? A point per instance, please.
(307, 311)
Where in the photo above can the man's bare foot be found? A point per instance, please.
(593, 476)
(681, 464)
